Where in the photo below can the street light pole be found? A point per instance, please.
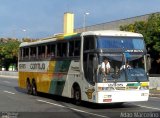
(24, 30)
(84, 20)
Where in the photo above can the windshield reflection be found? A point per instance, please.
(119, 68)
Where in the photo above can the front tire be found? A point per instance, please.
(77, 96)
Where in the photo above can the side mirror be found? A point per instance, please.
(148, 59)
(95, 63)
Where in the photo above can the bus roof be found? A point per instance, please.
(50, 39)
(112, 33)
(68, 36)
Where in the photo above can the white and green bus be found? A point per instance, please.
(70, 66)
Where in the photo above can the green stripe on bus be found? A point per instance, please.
(59, 79)
(133, 84)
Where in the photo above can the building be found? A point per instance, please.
(115, 25)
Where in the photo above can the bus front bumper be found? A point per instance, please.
(122, 96)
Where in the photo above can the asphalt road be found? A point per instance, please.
(15, 103)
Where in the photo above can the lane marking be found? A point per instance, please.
(6, 82)
(148, 107)
(73, 109)
(50, 103)
(9, 92)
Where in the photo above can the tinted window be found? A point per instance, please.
(41, 51)
(33, 52)
(61, 49)
(25, 53)
(120, 42)
(51, 50)
(74, 48)
(89, 43)
(77, 48)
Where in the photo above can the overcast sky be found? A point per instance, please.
(43, 18)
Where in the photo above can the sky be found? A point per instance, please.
(44, 18)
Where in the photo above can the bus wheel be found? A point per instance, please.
(34, 88)
(29, 88)
(77, 96)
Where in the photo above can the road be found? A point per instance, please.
(15, 102)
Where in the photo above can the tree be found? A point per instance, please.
(150, 29)
(153, 32)
(9, 52)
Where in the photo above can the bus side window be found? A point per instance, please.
(77, 48)
(26, 53)
(48, 50)
(41, 51)
(59, 53)
(33, 52)
(71, 48)
(52, 50)
(62, 49)
(89, 43)
(74, 48)
(21, 54)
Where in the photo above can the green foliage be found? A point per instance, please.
(149, 29)
(8, 51)
(153, 32)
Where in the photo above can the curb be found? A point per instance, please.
(154, 95)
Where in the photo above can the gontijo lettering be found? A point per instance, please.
(39, 66)
(22, 66)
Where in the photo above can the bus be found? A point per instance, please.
(70, 66)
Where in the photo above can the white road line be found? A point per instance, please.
(9, 92)
(6, 82)
(73, 109)
(148, 107)
(50, 103)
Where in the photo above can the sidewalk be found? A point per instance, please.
(9, 76)
(154, 93)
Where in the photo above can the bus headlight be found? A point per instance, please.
(105, 88)
(144, 87)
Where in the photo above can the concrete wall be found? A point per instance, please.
(113, 25)
(154, 83)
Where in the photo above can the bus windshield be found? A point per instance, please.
(121, 68)
(136, 43)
